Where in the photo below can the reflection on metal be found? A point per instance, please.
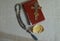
(38, 29)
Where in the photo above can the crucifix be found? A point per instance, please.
(36, 7)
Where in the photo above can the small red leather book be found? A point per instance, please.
(33, 11)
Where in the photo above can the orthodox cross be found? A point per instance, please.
(36, 7)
